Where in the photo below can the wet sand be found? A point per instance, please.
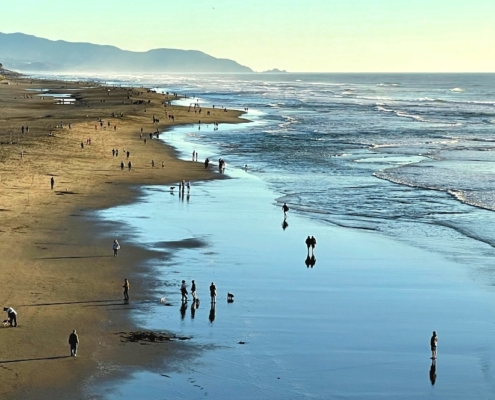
(55, 271)
(357, 325)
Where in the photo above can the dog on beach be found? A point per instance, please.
(230, 297)
(163, 300)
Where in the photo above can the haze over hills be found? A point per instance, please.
(29, 53)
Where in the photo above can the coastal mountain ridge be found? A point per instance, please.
(29, 53)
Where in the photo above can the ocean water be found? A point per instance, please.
(322, 140)
(394, 176)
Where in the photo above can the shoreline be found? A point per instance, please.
(57, 271)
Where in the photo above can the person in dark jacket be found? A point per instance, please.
(73, 342)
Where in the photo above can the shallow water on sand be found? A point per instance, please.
(357, 325)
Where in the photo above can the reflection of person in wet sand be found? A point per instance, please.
(285, 208)
(211, 317)
(183, 309)
(312, 261)
(193, 310)
(308, 261)
(433, 372)
(285, 225)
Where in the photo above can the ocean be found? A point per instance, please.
(392, 173)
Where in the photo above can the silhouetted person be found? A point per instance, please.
(126, 289)
(285, 208)
(433, 372)
(122, 166)
(433, 345)
(313, 244)
(207, 161)
(308, 243)
(193, 291)
(52, 182)
(211, 317)
(129, 165)
(73, 342)
(285, 225)
(213, 292)
(128, 154)
(183, 291)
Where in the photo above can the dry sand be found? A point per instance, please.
(55, 272)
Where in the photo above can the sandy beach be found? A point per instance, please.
(55, 273)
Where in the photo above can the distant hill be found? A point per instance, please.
(29, 53)
(5, 73)
(275, 71)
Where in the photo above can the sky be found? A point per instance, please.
(295, 35)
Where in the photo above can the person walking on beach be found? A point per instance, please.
(433, 345)
(122, 165)
(116, 247)
(126, 289)
(183, 291)
(213, 292)
(11, 316)
(207, 161)
(285, 208)
(73, 343)
(193, 290)
(308, 243)
(313, 244)
(129, 165)
(52, 182)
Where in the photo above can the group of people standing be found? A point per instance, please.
(184, 292)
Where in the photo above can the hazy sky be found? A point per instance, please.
(297, 35)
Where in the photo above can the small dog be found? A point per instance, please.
(163, 300)
(230, 298)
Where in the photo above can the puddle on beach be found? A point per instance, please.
(357, 325)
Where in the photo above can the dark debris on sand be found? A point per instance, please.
(150, 337)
